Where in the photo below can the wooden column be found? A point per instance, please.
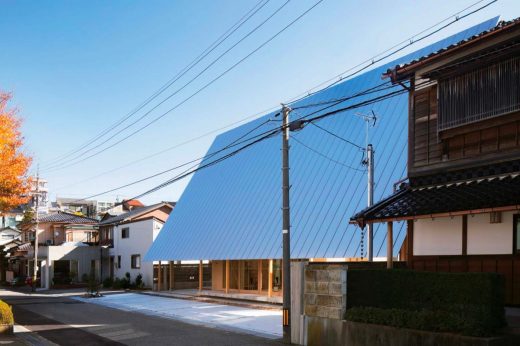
(464, 235)
(409, 241)
(259, 276)
(172, 282)
(227, 276)
(390, 245)
(159, 277)
(200, 275)
(270, 279)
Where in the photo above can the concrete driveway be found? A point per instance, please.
(266, 323)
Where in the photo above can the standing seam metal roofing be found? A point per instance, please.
(233, 210)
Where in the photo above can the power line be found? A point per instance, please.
(239, 140)
(181, 73)
(336, 102)
(193, 139)
(411, 42)
(257, 138)
(338, 137)
(81, 159)
(325, 156)
(372, 61)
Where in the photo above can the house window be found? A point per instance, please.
(125, 232)
(480, 94)
(119, 262)
(70, 237)
(136, 261)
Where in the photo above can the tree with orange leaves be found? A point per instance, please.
(14, 163)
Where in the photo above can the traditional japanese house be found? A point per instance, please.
(462, 198)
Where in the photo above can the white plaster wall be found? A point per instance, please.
(486, 238)
(440, 236)
(141, 237)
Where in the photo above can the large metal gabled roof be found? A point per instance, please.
(233, 210)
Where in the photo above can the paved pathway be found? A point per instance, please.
(56, 319)
(266, 323)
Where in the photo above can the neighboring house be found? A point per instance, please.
(67, 248)
(230, 214)
(9, 233)
(462, 200)
(128, 236)
(11, 218)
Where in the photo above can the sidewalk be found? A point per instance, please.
(262, 322)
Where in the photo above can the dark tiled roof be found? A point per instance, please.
(63, 217)
(500, 25)
(131, 214)
(483, 193)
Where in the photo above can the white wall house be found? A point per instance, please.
(131, 241)
(129, 236)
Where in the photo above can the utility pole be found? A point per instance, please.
(35, 266)
(286, 226)
(370, 189)
(369, 162)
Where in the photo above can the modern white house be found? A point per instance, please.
(128, 237)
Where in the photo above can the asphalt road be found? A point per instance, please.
(64, 321)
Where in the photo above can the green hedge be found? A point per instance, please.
(471, 303)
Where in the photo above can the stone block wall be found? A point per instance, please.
(325, 291)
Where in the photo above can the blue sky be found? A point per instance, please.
(76, 67)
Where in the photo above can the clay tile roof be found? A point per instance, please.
(63, 217)
(406, 66)
(474, 194)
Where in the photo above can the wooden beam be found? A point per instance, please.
(390, 245)
(172, 281)
(270, 279)
(201, 273)
(464, 235)
(159, 277)
(227, 276)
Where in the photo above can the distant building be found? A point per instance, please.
(77, 206)
(128, 236)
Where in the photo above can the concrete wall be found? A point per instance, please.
(325, 292)
(490, 238)
(142, 234)
(440, 236)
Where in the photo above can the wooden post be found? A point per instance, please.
(270, 279)
(200, 275)
(227, 276)
(159, 277)
(409, 238)
(389, 245)
(259, 277)
(464, 235)
(171, 275)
